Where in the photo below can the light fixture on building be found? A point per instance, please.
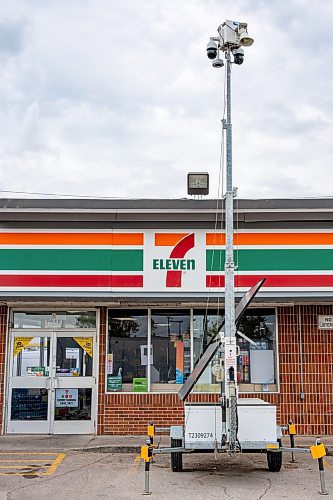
(198, 183)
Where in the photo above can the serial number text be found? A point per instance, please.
(200, 435)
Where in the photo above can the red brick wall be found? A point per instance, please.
(3, 329)
(130, 413)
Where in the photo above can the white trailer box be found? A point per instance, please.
(256, 425)
(203, 426)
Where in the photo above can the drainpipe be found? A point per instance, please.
(300, 346)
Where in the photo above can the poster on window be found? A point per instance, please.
(86, 343)
(67, 398)
(110, 364)
(20, 343)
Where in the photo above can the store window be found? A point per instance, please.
(171, 349)
(206, 325)
(127, 357)
(175, 348)
(257, 360)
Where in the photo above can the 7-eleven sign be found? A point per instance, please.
(175, 261)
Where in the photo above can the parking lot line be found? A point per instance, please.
(51, 470)
(37, 466)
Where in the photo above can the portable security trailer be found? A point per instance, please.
(233, 425)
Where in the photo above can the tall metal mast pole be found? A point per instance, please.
(230, 359)
(229, 267)
(232, 36)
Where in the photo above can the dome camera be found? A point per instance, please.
(238, 55)
(211, 49)
(218, 63)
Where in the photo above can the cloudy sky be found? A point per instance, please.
(118, 99)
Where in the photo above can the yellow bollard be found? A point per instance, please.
(318, 452)
(147, 455)
(292, 432)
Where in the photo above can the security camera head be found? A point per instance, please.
(218, 63)
(238, 55)
(211, 49)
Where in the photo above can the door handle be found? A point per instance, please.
(48, 383)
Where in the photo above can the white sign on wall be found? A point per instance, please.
(325, 322)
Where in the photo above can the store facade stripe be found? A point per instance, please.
(273, 259)
(168, 239)
(276, 239)
(276, 281)
(63, 238)
(39, 280)
(71, 260)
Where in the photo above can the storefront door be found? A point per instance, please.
(52, 383)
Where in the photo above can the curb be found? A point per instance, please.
(135, 449)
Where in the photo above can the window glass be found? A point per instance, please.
(72, 404)
(127, 357)
(74, 357)
(29, 404)
(171, 349)
(31, 356)
(205, 327)
(256, 338)
(58, 319)
(257, 360)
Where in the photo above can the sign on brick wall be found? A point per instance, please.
(325, 322)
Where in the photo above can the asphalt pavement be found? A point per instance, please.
(82, 467)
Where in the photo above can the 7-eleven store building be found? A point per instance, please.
(107, 305)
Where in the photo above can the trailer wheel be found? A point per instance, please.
(274, 461)
(176, 458)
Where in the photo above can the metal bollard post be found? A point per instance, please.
(292, 432)
(146, 455)
(323, 490)
(146, 490)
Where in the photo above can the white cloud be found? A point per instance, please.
(118, 98)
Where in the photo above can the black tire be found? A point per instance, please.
(176, 458)
(274, 461)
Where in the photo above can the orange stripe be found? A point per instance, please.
(71, 239)
(168, 239)
(272, 239)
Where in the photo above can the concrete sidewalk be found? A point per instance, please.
(107, 444)
(77, 442)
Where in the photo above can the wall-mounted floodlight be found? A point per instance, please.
(198, 183)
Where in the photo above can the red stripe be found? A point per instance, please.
(286, 280)
(174, 278)
(71, 280)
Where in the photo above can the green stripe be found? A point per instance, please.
(274, 260)
(71, 260)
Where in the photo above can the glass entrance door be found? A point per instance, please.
(52, 383)
(74, 384)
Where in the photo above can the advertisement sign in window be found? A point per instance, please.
(66, 398)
